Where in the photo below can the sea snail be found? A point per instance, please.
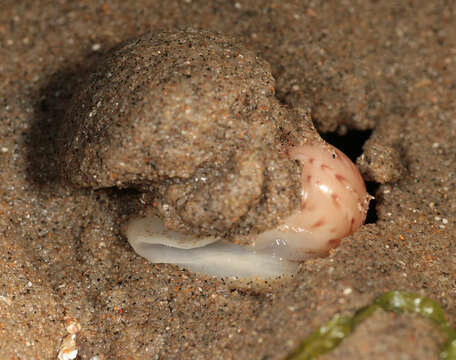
(240, 185)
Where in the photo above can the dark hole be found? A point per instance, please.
(371, 217)
(352, 145)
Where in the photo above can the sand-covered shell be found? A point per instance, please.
(239, 184)
(190, 116)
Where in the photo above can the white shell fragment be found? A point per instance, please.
(68, 348)
(334, 204)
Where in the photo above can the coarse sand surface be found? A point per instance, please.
(357, 65)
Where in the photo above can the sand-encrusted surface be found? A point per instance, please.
(354, 63)
(190, 117)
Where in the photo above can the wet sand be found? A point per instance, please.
(387, 66)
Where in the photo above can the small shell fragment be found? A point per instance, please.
(68, 350)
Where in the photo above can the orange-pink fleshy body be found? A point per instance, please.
(334, 203)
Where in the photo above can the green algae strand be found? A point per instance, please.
(331, 333)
